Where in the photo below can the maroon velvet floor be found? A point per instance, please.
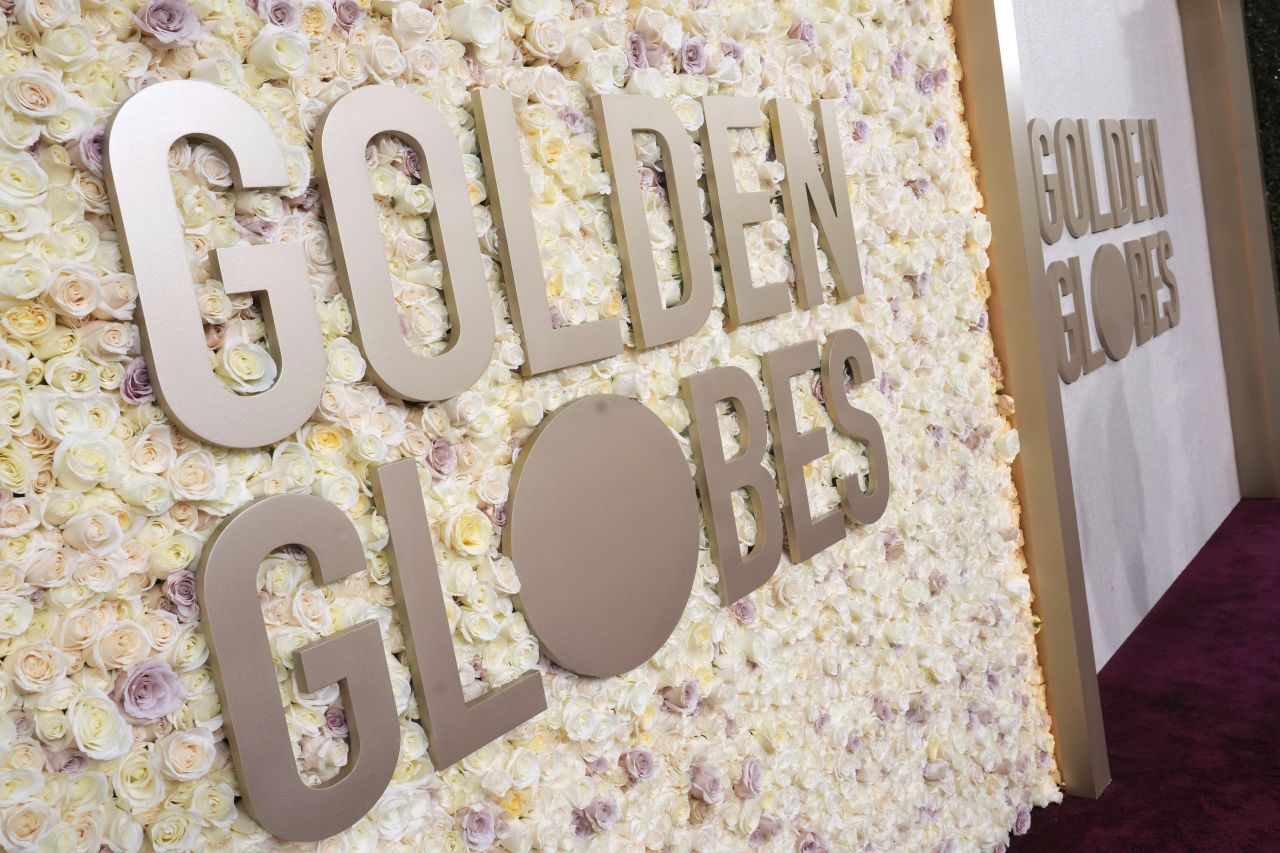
(1191, 704)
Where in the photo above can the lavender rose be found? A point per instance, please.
(574, 120)
(637, 52)
(705, 784)
(348, 13)
(638, 763)
(602, 812)
(442, 458)
(1022, 821)
(743, 610)
(692, 58)
(683, 699)
(479, 829)
(861, 130)
(812, 842)
(766, 830)
(282, 13)
(752, 781)
(135, 387)
(180, 589)
(89, 149)
(335, 723)
(148, 691)
(69, 761)
(582, 826)
(169, 22)
(804, 31)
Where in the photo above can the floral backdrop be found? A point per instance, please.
(883, 696)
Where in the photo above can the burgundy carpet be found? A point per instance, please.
(1191, 704)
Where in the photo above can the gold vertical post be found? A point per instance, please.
(1239, 237)
(1024, 322)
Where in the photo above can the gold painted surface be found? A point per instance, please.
(240, 654)
(136, 171)
(546, 348)
(361, 260)
(604, 528)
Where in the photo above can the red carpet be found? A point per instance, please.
(1191, 704)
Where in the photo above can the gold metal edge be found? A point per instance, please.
(1240, 250)
(1023, 323)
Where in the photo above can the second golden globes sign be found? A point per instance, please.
(602, 521)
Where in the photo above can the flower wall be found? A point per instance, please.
(883, 696)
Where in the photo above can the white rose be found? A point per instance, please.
(246, 366)
(411, 24)
(15, 615)
(120, 644)
(468, 531)
(174, 829)
(195, 476)
(98, 727)
(186, 755)
(346, 364)
(279, 53)
(26, 824)
(84, 460)
(475, 23)
(137, 780)
(94, 533)
(35, 667)
(40, 15)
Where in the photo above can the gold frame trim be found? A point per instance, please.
(1240, 251)
(1023, 322)
(1024, 325)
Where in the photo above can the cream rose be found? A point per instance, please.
(97, 726)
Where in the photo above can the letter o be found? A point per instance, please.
(603, 531)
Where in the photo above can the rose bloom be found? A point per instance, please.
(468, 531)
(148, 691)
(186, 755)
(169, 22)
(35, 667)
(97, 726)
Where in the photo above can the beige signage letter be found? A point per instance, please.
(809, 196)
(1154, 160)
(1137, 255)
(603, 531)
(1170, 311)
(1048, 184)
(1071, 343)
(618, 117)
(1075, 196)
(455, 727)
(1114, 313)
(846, 364)
(1131, 133)
(546, 348)
(341, 139)
(1102, 220)
(136, 169)
(732, 210)
(240, 653)
(793, 450)
(1117, 166)
(719, 478)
